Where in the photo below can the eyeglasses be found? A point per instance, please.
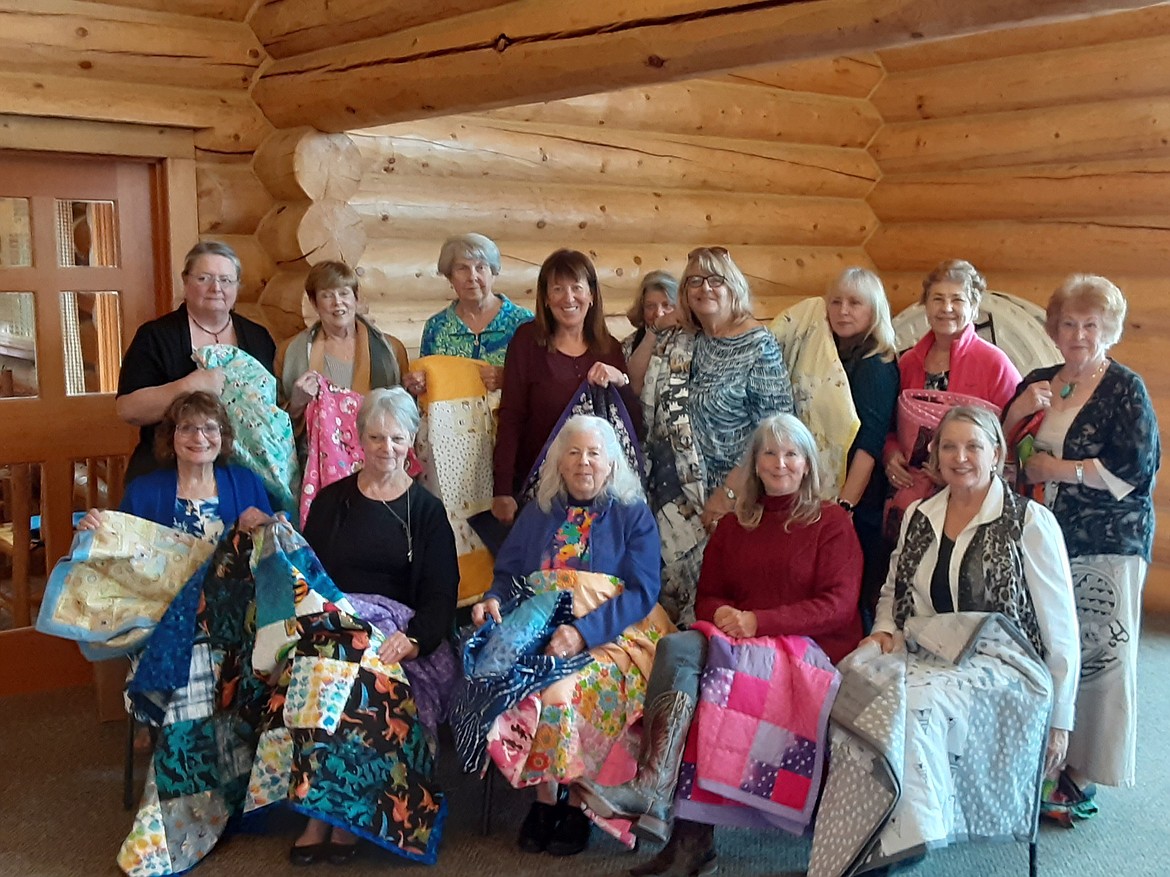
(695, 281)
(708, 251)
(209, 279)
(209, 430)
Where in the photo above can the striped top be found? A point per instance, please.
(735, 383)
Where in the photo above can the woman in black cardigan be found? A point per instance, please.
(1090, 443)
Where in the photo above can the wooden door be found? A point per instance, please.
(78, 275)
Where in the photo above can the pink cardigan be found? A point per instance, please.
(977, 368)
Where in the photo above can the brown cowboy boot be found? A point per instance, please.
(690, 852)
(648, 797)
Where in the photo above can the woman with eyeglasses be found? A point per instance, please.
(158, 367)
(707, 386)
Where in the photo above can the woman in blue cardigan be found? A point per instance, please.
(196, 490)
(589, 529)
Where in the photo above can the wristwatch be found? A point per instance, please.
(846, 504)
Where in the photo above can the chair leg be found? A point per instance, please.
(485, 810)
(1032, 859)
(128, 767)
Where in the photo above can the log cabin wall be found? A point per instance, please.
(1036, 153)
(770, 163)
(179, 64)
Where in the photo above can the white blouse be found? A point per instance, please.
(1046, 574)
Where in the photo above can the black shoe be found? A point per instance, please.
(309, 854)
(342, 854)
(571, 835)
(538, 827)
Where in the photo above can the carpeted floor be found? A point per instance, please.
(61, 813)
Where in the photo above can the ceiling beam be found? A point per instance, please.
(533, 50)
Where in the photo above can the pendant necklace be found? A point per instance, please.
(214, 335)
(1070, 387)
(405, 525)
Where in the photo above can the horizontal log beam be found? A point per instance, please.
(99, 42)
(1056, 191)
(231, 198)
(546, 51)
(224, 10)
(431, 207)
(291, 27)
(226, 122)
(404, 270)
(1099, 30)
(472, 147)
(717, 109)
(850, 76)
(1084, 132)
(1137, 245)
(1137, 68)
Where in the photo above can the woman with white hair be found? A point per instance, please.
(785, 564)
(480, 323)
(588, 530)
(1088, 446)
(382, 536)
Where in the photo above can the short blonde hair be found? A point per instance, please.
(716, 260)
(983, 419)
(749, 508)
(956, 271)
(869, 286)
(1081, 292)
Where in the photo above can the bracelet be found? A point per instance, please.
(1080, 467)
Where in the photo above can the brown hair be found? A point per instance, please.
(330, 275)
(661, 281)
(576, 265)
(188, 406)
(960, 272)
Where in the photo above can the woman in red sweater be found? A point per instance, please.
(786, 563)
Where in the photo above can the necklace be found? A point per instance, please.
(405, 525)
(1070, 387)
(213, 334)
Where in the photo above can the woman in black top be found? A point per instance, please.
(377, 532)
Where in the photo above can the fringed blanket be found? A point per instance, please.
(455, 444)
(276, 695)
(820, 387)
(676, 472)
(334, 448)
(117, 582)
(756, 749)
(263, 431)
(941, 742)
(603, 402)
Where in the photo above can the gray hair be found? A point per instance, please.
(664, 282)
(982, 419)
(468, 246)
(957, 271)
(389, 402)
(749, 507)
(212, 248)
(623, 484)
(869, 286)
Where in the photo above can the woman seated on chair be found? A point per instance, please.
(589, 531)
(386, 542)
(196, 490)
(784, 564)
(976, 557)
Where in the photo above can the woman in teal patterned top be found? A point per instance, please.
(479, 323)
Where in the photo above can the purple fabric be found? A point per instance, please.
(432, 678)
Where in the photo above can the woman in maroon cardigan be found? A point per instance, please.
(547, 360)
(786, 563)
